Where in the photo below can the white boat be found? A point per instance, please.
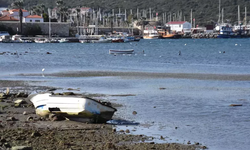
(72, 106)
(63, 40)
(129, 51)
(102, 40)
(41, 40)
(16, 39)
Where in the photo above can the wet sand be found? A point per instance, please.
(198, 76)
(20, 126)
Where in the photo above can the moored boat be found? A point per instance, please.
(41, 40)
(129, 51)
(63, 40)
(75, 107)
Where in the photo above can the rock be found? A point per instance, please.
(162, 88)
(152, 143)
(35, 134)
(6, 145)
(188, 142)
(197, 143)
(162, 138)
(127, 131)
(21, 94)
(53, 117)
(114, 130)
(24, 113)
(68, 93)
(134, 112)
(30, 118)
(7, 91)
(11, 119)
(19, 101)
(2, 95)
(121, 130)
(21, 148)
(48, 53)
(176, 127)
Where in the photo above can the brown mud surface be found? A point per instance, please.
(20, 126)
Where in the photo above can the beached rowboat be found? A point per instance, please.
(73, 107)
(112, 51)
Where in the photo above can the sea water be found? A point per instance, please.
(178, 109)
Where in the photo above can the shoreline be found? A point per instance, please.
(129, 74)
(17, 130)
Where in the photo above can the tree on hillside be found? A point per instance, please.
(19, 5)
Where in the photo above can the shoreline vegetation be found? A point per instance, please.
(21, 128)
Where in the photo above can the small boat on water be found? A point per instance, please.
(41, 40)
(73, 107)
(63, 40)
(112, 51)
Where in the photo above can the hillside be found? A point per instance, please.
(204, 11)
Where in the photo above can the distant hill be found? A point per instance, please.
(204, 11)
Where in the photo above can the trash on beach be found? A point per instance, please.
(73, 107)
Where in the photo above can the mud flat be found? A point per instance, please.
(21, 128)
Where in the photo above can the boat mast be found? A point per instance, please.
(191, 17)
(238, 14)
(49, 11)
(245, 16)
(222, 15)
(219, 11)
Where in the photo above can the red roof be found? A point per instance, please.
(33, 16)
(17, 10)
(8, 18)
(176, 22)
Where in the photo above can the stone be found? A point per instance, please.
(24, 113)
(35, 134)
(30, 118)
(134, 112)
(7, 91)
(114, 130)
(188, 142)
(127, 131)
(11, 119)
(2, 95)
(21, 148)
(68, 93)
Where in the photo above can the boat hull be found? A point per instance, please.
(121, 51)
(72, 107)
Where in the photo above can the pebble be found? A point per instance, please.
(10, 119)
(134, 112)
(30, 118)
(127, 131)
(24, 113)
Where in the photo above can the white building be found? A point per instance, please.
(15, 13)
(33, 18)
(179, 26)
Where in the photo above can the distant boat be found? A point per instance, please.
(227, 32)
(112, 51)
(165, 33)
(150, 34)
(102, 40)
(73, 107)
(63, 40)
(41, 40)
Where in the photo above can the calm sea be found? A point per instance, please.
(195, 110)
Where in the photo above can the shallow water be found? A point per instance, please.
(198, 108)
